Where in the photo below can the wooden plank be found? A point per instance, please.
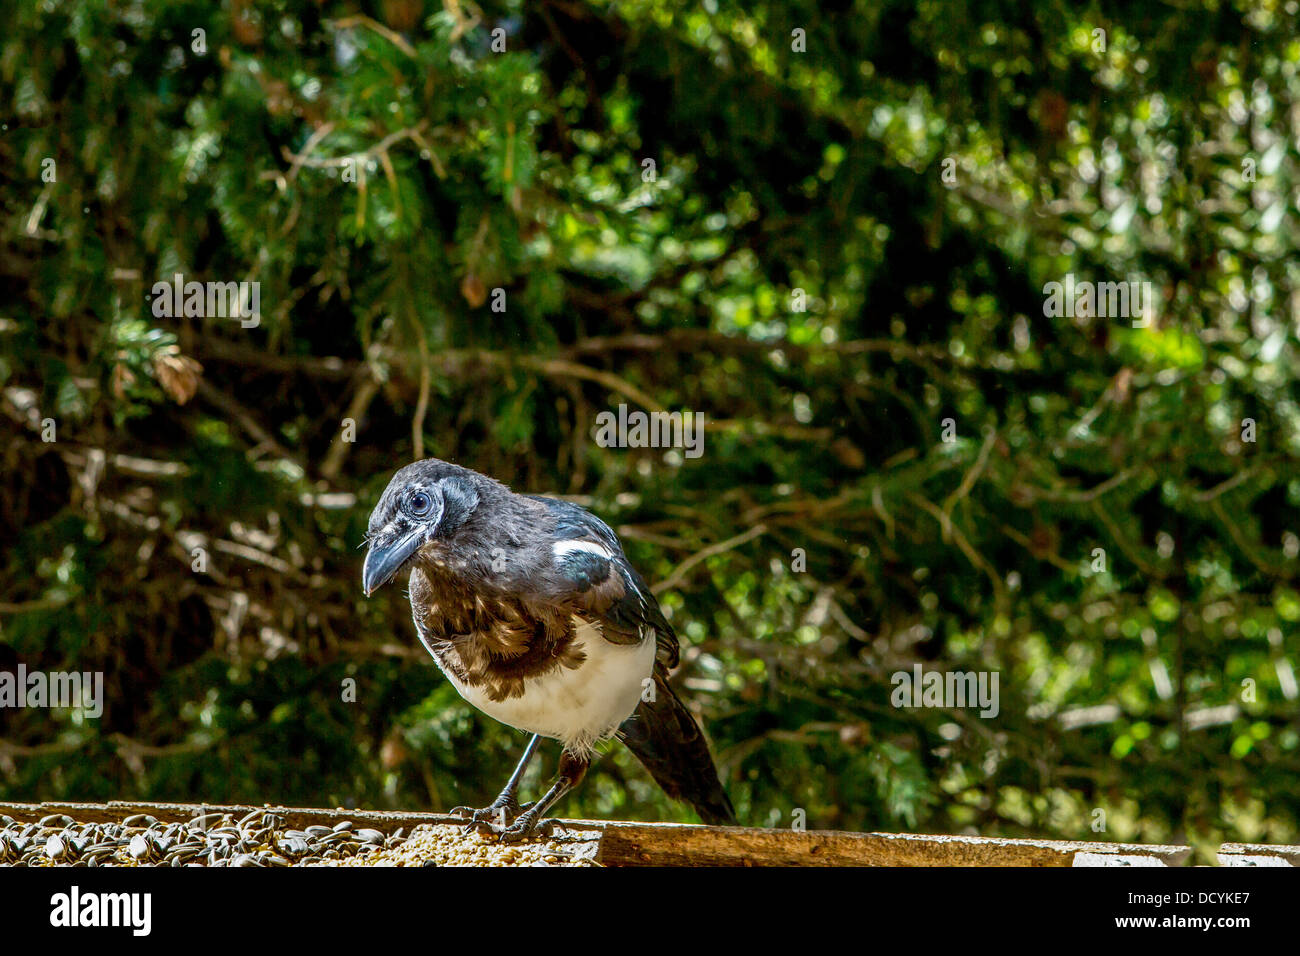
(1116, 859)
(1258, 854)
(675, 844)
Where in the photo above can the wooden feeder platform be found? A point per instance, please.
(620, 843)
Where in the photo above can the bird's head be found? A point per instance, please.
(424, 503)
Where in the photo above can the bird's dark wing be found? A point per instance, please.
(600, 585)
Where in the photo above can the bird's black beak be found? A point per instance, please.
(384, 560)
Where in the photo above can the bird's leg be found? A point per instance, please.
(505, 807)
(572, 769)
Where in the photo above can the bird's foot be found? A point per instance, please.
(495, 817)
(526, 825)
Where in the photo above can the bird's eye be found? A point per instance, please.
(420, 504)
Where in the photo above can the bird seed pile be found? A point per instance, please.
(261, 839)
(450, 845)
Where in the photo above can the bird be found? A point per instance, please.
(530, 608)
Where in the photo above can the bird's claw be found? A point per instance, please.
(526, 827)
(493, 818)
(480, 825)
(521, 824)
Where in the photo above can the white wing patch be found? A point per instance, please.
(561, 548)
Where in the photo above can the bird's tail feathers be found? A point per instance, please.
(670, 744)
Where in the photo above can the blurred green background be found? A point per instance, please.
(827, 226)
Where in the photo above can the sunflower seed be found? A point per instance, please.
(139, 847)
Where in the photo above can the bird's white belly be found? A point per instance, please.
(577, 706)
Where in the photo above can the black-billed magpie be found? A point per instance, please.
(532, 611)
